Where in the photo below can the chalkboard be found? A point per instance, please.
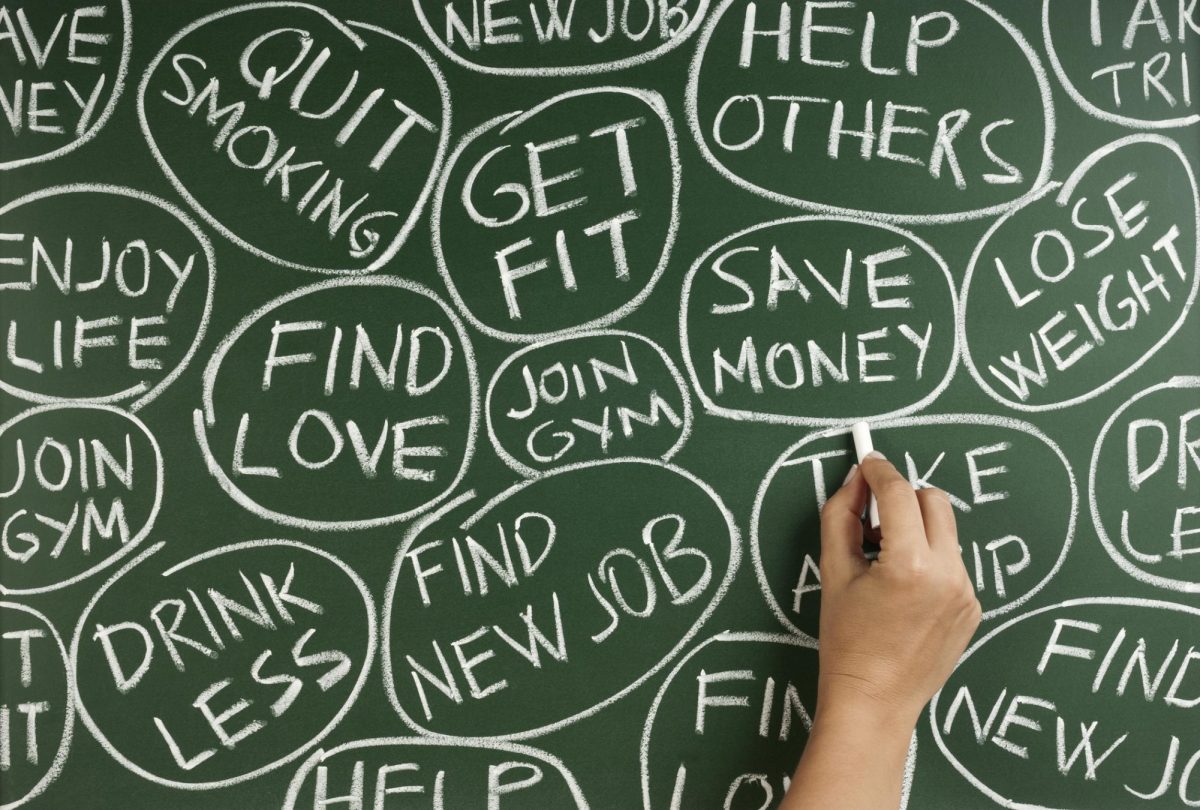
(430, 404)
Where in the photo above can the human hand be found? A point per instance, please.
(891, 633)
(893, 629)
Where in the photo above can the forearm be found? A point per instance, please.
(854, 760)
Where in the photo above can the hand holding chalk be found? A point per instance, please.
(916, 597)
(891, 633)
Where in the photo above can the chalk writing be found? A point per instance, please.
(557, 37)
(81, 489)
(1130, 63)
(599, 394)
(985, 464)
(1099, 269)
(551, 577)
(37, 709)
(1073, 701)
(789, 320)
(729, 723)
(232, 663)
(513, 246)
(105, 307)
(462, 773)
(387, 394)
(841, 109)
(544, 224)
(64, 65)
(232, 116)
(1144, 485)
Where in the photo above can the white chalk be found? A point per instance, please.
(861, 432)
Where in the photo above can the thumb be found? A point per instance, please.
(842, 531)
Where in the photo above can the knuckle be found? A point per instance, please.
(959, 571)
(895, 488)
(919, 570)
(968, 603)
(974, 613)
(828, 508)
(955, 594)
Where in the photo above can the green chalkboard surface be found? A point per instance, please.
(430, 404)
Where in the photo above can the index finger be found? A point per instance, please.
(901, 526)
(842, 532)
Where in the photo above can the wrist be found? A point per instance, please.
(858, 712)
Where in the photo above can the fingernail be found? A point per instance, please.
(875, 454)
(850, 475)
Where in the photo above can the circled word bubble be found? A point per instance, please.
(81, 489)
(552, 39)
(1146, 462)
(1085, 703)
(554, 599)
(39, 701)
(1073, 292)
(598, 394)
(729, 723)
(64, 69)
(842, 109)
(310, 142)
(789, 320)
(1013, 493)
(366, 386)
(1127, 63)
(105, 297)
(455, 773)
(225, 666)
(559, 218)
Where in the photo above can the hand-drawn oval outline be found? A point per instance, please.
(758, 638)
(735, 556)
(740, 415)
(1041, 80)
(1132, 602)
(1064, 191)
(530, 472)
(1004, 422)
(1091, 108)
(728, 635)
(141, 533)
(372, 630)
(343, 27)
(106, 113)
(1122, 561)
(297, 783)
(513, 119)
(564, 70)
(146, 393)
(206, 415)
(64, 745)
